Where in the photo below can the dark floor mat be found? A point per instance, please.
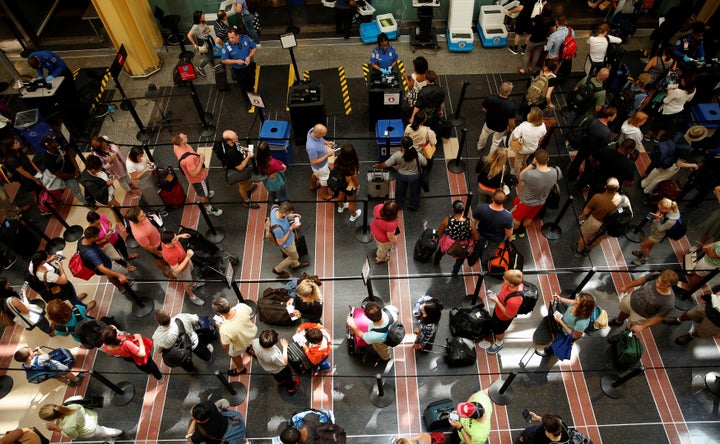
(273, 84)
(335, 89)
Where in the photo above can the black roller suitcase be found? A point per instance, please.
(221, 77)
(426, 245)
(297, 359)
(436, 414)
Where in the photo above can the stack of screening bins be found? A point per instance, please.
(388, 134)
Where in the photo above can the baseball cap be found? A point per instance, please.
(472, 410)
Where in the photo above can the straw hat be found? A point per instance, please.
(696, 133)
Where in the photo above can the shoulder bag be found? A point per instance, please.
(424, 177)
(428, 148)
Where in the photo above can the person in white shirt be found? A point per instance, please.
(168, 332)
(597, 47)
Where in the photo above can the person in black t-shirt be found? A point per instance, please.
(62, 164)
(499, 117)
(431, 99)
(551, 429)
(234, 156)
(610, 162)
(598, 137)
(208, 423)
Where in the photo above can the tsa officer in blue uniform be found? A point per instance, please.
(238, 52)
(384, 57)
(48, 60)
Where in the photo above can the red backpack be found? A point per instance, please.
(568, 49)
(78, 268)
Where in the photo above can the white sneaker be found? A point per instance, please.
(210, 347)
(343, 207)
(215, 211)
(196, 300)
(484, 344)
(211, 194)
(355, 216)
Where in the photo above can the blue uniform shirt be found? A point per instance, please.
(383, 59)
(239, 51)
(50, 61)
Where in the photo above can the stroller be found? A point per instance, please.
(208, 257)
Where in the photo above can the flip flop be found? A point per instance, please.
(133, 256)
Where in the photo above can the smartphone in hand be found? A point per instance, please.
(454, 417)
(526, 415)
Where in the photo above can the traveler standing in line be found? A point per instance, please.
(148, 237)
(133, 348)
(535, 183)
(241, 7)
(180, 262)
(666, 217)
(456, 229)
(528, 135)
(493, 172)
(384, 228)
(236, 330)
(193, 165)
(113, 162)
(274, 360)
(168, 332)
(594, 215)
(319, 151)
(76, 421)
(424, 139)
(283, 223)
(348, 163)
(409, 166)
(142, 173)
(506, 308)
(202, 37)
(499, 117)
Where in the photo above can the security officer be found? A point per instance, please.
(384, 57)
(48, 60)
(691, 46)
(238, 51)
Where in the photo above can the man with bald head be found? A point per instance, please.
(236, 157)
(319, 151)
(594, 215)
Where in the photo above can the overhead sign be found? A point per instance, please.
(119, 62)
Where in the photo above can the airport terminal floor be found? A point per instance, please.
(664, 400)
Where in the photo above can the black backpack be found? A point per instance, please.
(88, 331)
(617, 222)
(395, 330)
(582, 100)
(337, 181)
(181, 351)
(677, 231)
(329, 433)
(624, 100)
(460, 352)
(580, 134)
(470, 323)
(529, 295)
(614, 54)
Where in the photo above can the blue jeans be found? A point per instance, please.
(403, 183)
(75, 189)
(247, 20)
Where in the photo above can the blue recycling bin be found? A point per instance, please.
(392, 129)
(277, 134)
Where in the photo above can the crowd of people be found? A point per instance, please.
(605, 134)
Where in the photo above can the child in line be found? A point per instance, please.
(274, 359)
(34, 361)
(317, 344)
(427, 312)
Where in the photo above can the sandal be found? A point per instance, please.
(133, 256)
(236, 372)
(82, 296)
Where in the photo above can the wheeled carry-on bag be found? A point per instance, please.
(426, 245)
(221, 77)
(378, 183)
(297, 359)
(470, 322)
(436, 414)
(170, 190)
(460, 352)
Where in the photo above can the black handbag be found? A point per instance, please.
(424, 177)
(553, 200)
(181, 351)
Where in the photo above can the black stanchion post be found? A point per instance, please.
(362, 233)
(500, 391)
(148, 153)
(476, 292)
(214, 235)
(207, 129)
(584, 282)
(6, 385)
(124, 391)
(237, 389)
(143, 135)
(610, 384)
(143, 305)
(637, 234)
(72, 233)
(712, 382)
(457, 165)
(457, 119)
(468, 202)
(31, 225)
(380, 395)
(552, 230)
(236, 289)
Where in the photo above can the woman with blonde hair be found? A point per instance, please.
(308, 298)
(631, 128)
(666, 217)
(76, 421)
(526, 137)
(492, 173)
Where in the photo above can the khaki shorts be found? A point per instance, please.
(323, 174)
(704, 328)
(186, 274)
(590, 228)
